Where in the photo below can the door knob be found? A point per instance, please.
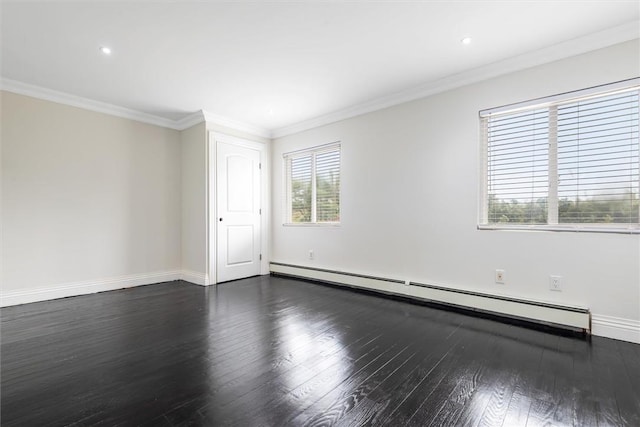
(220, 220)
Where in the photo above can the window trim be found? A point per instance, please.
(313, 151)
(584, 228)
(550, 102)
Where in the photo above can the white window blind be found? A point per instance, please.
(328, 186)
(568, 162)
(301, 182)
(598, 177)
(518, 167)
(313, 185)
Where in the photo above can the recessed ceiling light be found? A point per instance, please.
(106, 50)
(466, 40)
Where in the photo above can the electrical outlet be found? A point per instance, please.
(310, 253)
(500, 277)
(555, 283)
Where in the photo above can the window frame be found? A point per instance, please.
(550, 102)
(313, 152)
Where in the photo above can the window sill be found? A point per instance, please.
(622, 229)
(311, 224)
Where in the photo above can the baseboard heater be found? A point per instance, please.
(566, 317)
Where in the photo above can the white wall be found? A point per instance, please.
(89, 201)
(196, 170)
(410, 185)
(92, 202)
(194, 203)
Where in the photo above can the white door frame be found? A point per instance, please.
(212, 211)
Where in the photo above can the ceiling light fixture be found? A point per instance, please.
(106, 50)
(466, 40)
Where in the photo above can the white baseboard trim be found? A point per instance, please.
(8, 298)
(194, 277)
(616, 328)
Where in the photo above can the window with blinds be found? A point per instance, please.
(569, 161)
(313, 185)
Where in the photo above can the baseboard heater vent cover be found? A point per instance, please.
(568, 317)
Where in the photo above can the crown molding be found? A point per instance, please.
(216, 119)
(573, 47)
(186, 122)
(190, 120)
(39, 92)
(577, 46)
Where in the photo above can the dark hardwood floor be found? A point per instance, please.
(271, 351)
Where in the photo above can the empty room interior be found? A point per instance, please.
(316, 213)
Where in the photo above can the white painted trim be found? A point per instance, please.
(194, 277)
(624, 86)
(216, 119)
(602, 39)
(186, 122)
(210, 208)
(615, 327)
(38, 92)
(556, 314)
(265, 191)
(234, 140)
(599, 40)
(190, 120)
(85, 287)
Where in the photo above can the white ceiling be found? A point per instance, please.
(274, 64)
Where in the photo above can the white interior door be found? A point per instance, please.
(238, 208)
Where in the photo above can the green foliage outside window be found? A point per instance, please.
(300, 201)
(624, 209)
(328, 198)
(319, 168)
(517, 212)
(621, 210)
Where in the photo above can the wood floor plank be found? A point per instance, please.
(335, 406)
(518, 408)
(540, 413)
(271, 351)
(271, 386)
(383, 400)
(451, 393)
(442, 404)
(299, 388)
(502, 389)
(423, 391)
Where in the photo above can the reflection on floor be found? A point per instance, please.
(270, 351)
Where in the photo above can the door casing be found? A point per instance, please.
(211, 200)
